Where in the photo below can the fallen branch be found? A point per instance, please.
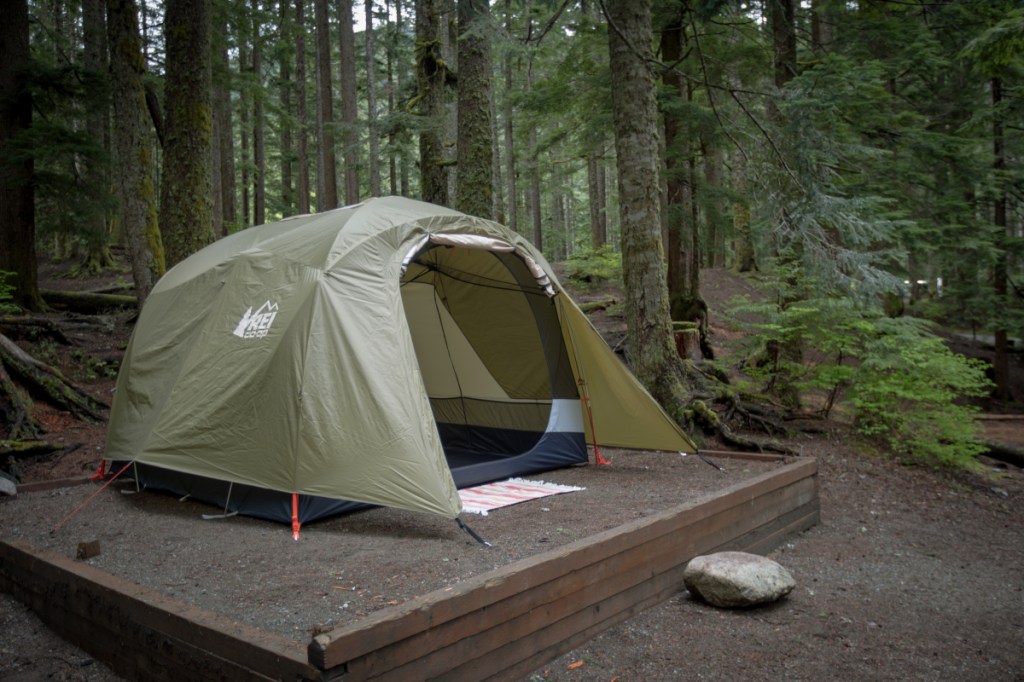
(21, 449)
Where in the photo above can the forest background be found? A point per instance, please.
(860, 160)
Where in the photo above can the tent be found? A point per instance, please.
(386, 353)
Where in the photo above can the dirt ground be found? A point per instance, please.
(912, 573)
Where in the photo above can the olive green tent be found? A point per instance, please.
(385, 353)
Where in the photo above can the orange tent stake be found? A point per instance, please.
(295, 516)
(585, 399)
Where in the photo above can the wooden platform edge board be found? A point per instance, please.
(751, 456)
(41, 486)
(801, 521)
(334, 648)
(77, 600)
(429, 612)
(541, 626)
(463, 639)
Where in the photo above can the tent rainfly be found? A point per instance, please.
(386, 353)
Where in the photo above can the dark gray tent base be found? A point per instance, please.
(502, 624)
(469, 465)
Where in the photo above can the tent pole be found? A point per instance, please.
(584, 393)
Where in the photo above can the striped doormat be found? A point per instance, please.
(483, 498)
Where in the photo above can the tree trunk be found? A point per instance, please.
(225, 212)
(598, 227)
(821, 26)
(507, 113)
(371, 102)
(133, 155)
(326, 170)
(743, 247)
(17, 198)
(474, 169)
(392, 85)
(259, 160)
(301, 115)
(431, 75)
(533, 170)
(683, 255)
(782, 18)
(634, 110)
(96, 230)
(497, 186)
(349, 102)
(186, 208)
(1001, 361)
(244, 109)
(714, 213)
(287, 125)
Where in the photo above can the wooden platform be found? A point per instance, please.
(497, 626)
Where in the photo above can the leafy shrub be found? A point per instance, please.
(902, 382)
(7, 294)
(906, 390)
(592, 267)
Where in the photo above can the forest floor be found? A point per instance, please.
(912, 573)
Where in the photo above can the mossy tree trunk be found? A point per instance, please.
(431, 76)
(186, 205)
(132, 151)
(649, 326)
(475, 164)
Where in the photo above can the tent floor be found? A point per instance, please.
(549, 603)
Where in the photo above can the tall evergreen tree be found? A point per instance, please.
(349, 102)
(683, 238)
(431, 80)
(97, 127)
(258, 94)
(326, 168)
(186, 206)
(17, 203)
(302, 146)
(475, 164)
(652, 353)
(133, 152)
(371, 102)
(224, 199)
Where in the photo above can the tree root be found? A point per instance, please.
(24, 326)
(44, 381)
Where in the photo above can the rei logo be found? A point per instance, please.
(255, 325)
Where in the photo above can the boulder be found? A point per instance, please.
(7, 487)
(736, 579)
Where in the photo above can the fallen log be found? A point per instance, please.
(1004, 452)
(87, 302)
(593, 306)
